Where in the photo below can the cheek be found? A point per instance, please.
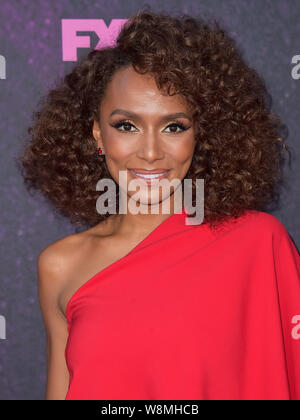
(183, 151)
(117, 149)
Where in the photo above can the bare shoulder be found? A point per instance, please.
(59, 261)
(53, 265)
(55, 257)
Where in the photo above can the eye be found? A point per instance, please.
(181, 126)
(121, 123)
(126, 123)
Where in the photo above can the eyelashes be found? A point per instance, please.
(127, 123)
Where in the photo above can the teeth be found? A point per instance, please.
(150, 176)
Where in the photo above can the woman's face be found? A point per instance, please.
(149, 137)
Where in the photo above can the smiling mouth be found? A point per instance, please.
(149, 176)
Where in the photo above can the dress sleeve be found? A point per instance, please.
(287, 268)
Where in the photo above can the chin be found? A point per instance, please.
(145, 200)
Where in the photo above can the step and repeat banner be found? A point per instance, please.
(40, 41)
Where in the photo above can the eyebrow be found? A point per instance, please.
(164, 118)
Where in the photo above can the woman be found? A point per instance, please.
(145, 305)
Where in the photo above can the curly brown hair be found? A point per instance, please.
(239, 149)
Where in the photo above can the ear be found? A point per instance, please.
(97, 134)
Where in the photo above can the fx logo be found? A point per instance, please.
(71, 41)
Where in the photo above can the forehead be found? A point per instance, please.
(129, 89)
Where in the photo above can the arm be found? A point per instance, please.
(50, 281)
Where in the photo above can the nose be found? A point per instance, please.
(150, 147)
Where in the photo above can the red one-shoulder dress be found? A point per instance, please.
(191, 313)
